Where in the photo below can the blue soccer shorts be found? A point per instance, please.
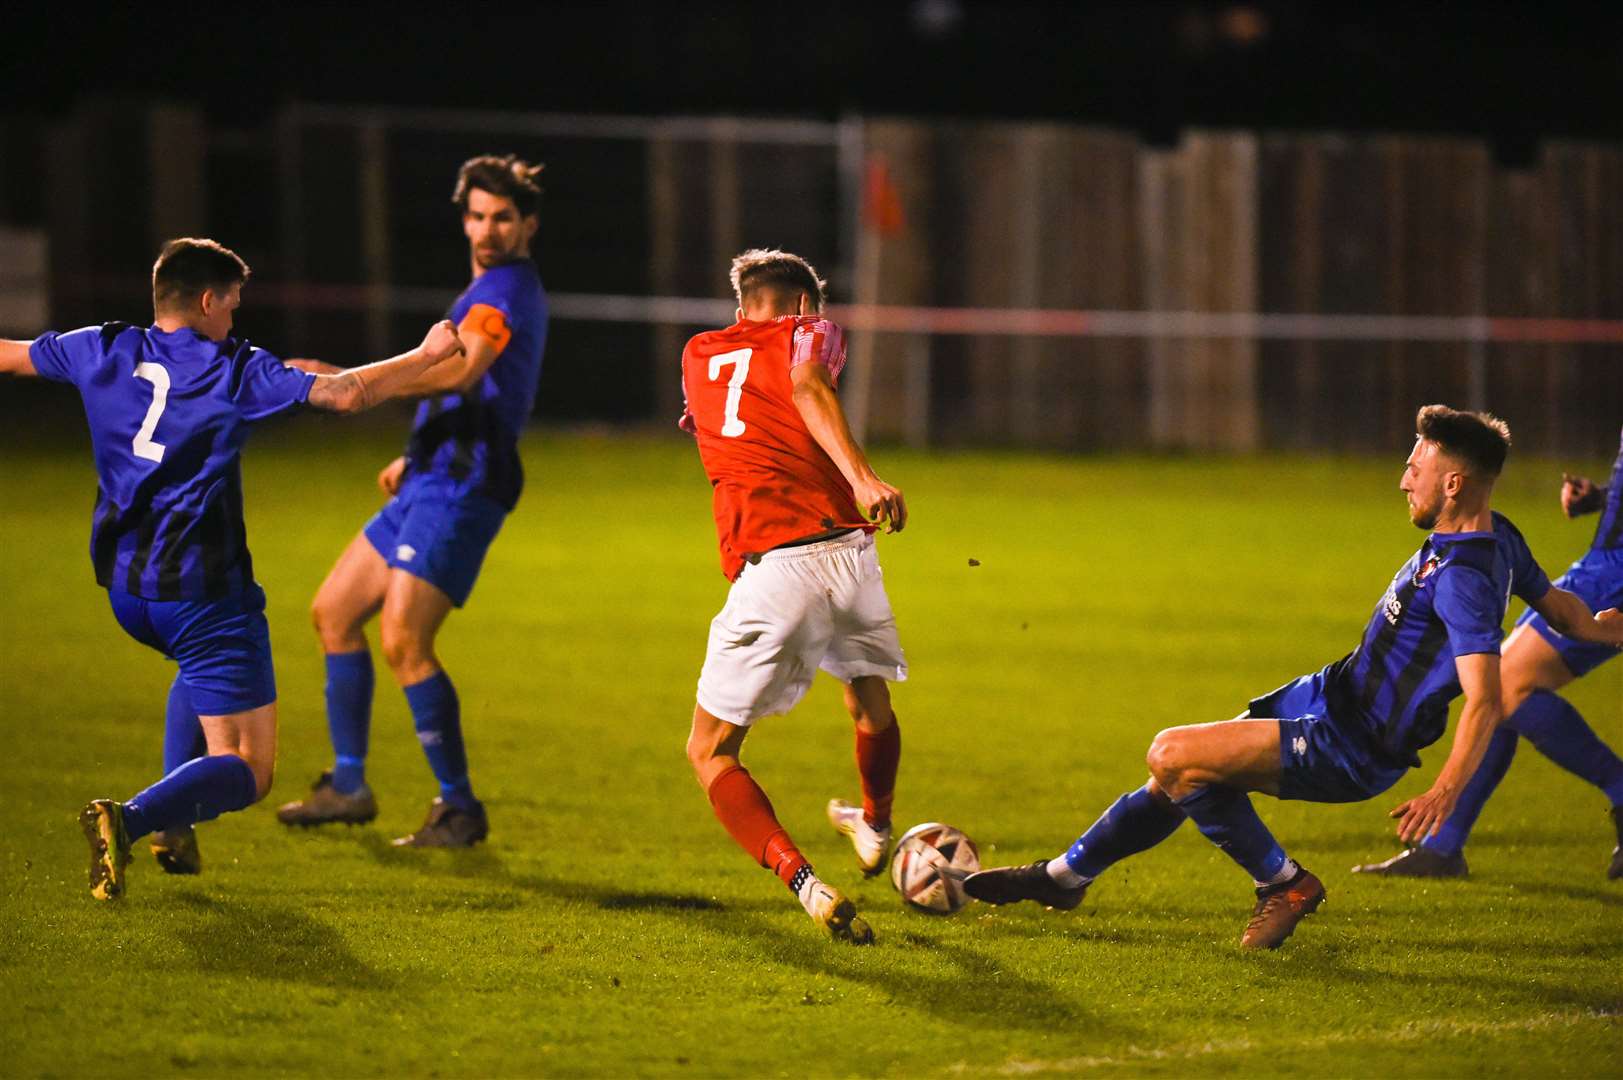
(433, 532)
(1321, 760)
(1598, 579)
(222, 646)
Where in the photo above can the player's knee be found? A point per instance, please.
(1517, 687)
(704, 759)
(1165, 758)
(403, 648)
(329, 626)
(869, 704)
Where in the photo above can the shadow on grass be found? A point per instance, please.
(652, 901)
(267, 941)
(1611, 896)
(980, 991)
(478, 862)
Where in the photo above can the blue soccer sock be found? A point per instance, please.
(1549, 722)
(1135, 822)
(1225, 816)
(200, 790)
(349, 716)
(1450, 837)
(182, 734)
(438, 716)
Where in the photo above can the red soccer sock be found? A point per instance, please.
(877, 758)
(746, 813)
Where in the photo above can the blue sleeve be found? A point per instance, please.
(1527, 578)
(57, 356)
(265, 386)
(1471, 608)
(496, 290)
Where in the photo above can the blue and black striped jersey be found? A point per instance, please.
(168, 414)
(1447, 601)
(472, 436)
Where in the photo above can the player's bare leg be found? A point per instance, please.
(1207, 770)
(249, 735)
(348, 598)
(1242, 754)
(1202, 771)
(197, 791)
(878, 752)
(413, 612)
(350, 595)
(746, 813)
(1528, 663)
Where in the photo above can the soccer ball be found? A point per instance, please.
(929, 867)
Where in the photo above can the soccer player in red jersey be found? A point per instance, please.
(791, 487)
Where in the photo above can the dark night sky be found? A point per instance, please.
(1513, 73)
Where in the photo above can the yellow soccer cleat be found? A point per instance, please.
(103, 824)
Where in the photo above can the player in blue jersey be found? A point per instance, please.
(418, 557)
(169, 407)
(1535, 662)
(1348, 732)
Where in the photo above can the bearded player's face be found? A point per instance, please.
(496, 232)
(1424, 480)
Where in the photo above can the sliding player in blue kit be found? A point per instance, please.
(1535, 662)
(1348, 732)
(419, 556)
(169, 408)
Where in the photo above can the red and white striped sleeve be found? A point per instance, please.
(817, 340)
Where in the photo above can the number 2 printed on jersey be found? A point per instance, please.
(732, 427)
(158, 376)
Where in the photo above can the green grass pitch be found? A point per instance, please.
(611, 928)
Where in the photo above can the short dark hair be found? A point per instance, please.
(508, 176)
(1478, 439)
(188, 265)
(771, 270)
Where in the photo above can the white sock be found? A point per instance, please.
(1061, 872)
(807, 887)
(1286, 872)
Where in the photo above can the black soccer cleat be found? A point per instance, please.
(176, 850)
(103, 825)
(1418, 862)
(1011, 884)
(449, 826)
(1280, 907)
(327, 805)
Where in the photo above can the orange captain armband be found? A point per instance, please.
(487, 322)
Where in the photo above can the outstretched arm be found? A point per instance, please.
(314, 367)
(819, 407)
(1484, 709)
(1570, 617)
(358, 389)
(458, 372)
(14, 358)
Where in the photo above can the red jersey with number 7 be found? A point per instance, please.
(773, 483)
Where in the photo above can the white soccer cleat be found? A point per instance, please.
(829, 909)
(872, 845)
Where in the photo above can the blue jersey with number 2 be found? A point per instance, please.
(169, 413)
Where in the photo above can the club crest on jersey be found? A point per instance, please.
(1427, 568)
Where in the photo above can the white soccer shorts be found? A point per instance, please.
(821, 605)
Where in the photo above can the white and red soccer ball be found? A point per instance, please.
(929, 865)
